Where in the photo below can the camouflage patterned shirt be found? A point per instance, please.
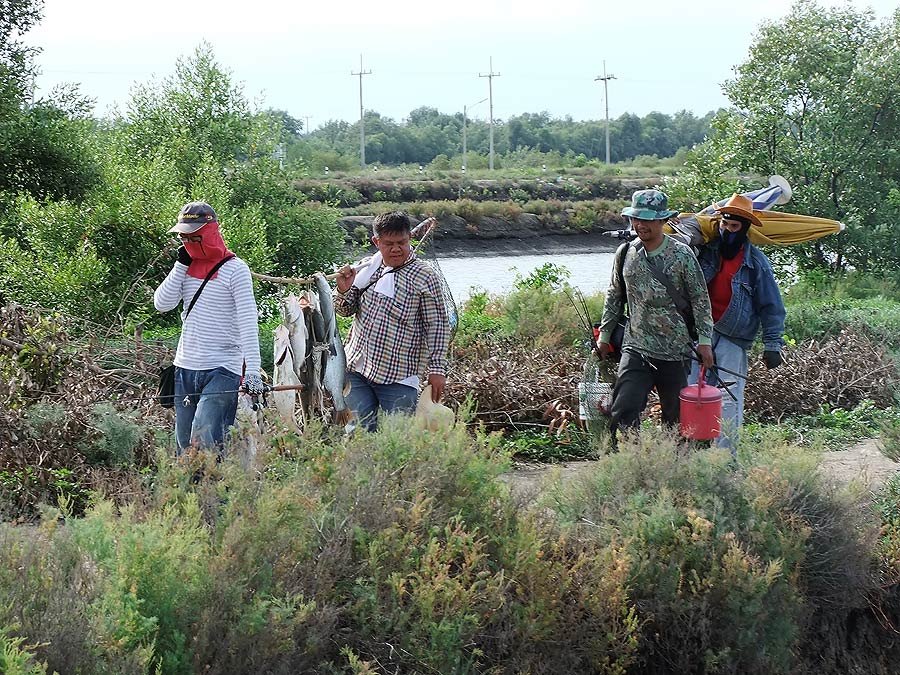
(655, 328)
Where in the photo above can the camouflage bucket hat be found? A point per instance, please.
(649, 205)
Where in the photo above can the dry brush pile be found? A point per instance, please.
(512, 384)
(74, 413)
(836, 372)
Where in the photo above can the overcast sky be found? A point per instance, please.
(298, 56)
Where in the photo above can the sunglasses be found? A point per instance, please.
(726, 218)
(191, 238)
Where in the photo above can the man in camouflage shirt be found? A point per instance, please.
(656, 347)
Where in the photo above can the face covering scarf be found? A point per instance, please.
(206, 252)
(732, 242)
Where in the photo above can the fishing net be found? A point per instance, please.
(446, 295)
(425, 252)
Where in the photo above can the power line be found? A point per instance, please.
(490, 76)
(362, 125)
(605, 79)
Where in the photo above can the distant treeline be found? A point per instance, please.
(427, 135)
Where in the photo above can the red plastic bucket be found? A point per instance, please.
(701, 410)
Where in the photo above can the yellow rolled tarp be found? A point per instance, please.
(779, 229)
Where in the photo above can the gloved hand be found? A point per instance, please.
(772, 359)
(183, 256)
(253, 385)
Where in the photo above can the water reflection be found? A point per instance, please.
(589, 272)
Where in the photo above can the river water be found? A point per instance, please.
(588, 272)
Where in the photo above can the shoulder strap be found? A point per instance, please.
(620, 265)
(681, 303)
(206, 281)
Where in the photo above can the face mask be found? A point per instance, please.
(732, 242)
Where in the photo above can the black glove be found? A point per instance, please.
(183, 256)
(253, 385)
(772, 359)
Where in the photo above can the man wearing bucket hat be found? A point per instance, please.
(219, 336)
(657, 341)
(745, 299)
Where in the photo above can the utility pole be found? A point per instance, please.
(490, 76)
(605, 79)
(362, 126)
(306, 127)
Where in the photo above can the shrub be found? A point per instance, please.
(117, 436)
(15, 659)
(890, 438)
(724, 566)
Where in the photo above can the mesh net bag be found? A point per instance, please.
(447, 296)
(425, 252)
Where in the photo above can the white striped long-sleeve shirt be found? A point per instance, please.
(222, 329)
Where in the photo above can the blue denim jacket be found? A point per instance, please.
(755, 298)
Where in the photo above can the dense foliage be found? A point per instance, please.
(402, 552)
(83, 225)
(428, 136)
(816, 101)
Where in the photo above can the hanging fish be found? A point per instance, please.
(326, 306)
(294, 319)
(285, 401)
(319, 356)
(336, 381)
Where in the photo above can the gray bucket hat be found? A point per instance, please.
(193, 216)
(649, 205)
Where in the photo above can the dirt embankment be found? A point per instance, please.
(524, 233)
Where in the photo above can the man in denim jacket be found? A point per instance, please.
(745, 298)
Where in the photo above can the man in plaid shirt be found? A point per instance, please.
(400, 328)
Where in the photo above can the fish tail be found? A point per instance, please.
(343, 417)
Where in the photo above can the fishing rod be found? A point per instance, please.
(187, 402)
(583, 313)
(717, 368)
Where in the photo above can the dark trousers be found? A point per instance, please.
(637, 376)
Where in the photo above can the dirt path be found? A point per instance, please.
(862, 461)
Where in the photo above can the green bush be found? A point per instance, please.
(724, 567)
(403, 548)
(890, 438)
(116, 438)
(15, 659)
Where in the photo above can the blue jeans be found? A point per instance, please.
(732, 356)
(205, 420)
(366, 397)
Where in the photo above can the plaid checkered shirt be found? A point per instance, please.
(394, 338)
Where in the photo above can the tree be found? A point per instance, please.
(17, 18)
(198, 112)
(43, 144)
(816, 101)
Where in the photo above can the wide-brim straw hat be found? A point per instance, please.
(741, 207)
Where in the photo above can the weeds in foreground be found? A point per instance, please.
(400, 551)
